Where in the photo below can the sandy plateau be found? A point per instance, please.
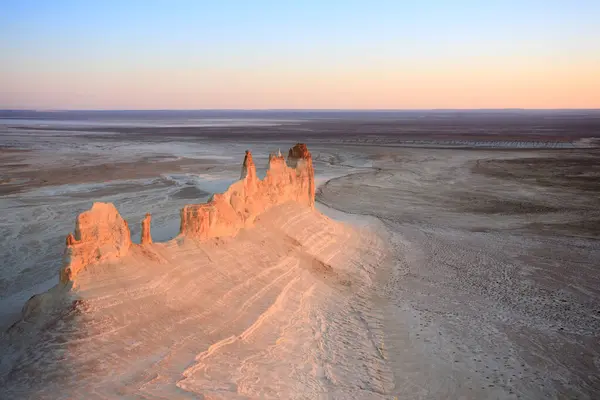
(242, 303)
(367, 268)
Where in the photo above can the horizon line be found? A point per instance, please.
(295, 109)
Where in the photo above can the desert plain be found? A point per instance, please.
(448, 255)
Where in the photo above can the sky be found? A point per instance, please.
(259, 54)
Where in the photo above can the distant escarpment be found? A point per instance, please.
(102, 234)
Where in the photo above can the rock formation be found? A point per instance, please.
(146, 238)
(226, 213)
(300, 158)
(101, 233)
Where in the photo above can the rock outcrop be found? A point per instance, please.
(300, 158)
(226, 213)
(146, 238)
(101, 233)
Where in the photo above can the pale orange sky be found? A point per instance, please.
(444, 85)
(358, 55)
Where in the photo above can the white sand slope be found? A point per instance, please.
(282, 310)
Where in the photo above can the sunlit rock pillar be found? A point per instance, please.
(249, 174)
(146, 237)
(300, 158)
(228, 212)
(100, 234)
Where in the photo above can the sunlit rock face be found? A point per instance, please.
(146, 238)
(226, 213)
(100, 234)
(300, 158)
(249, 173)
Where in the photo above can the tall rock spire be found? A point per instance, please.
(300, 158)
(249, 173)
(146, 238)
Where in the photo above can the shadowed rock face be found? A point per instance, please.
(299, 151)
(101, 233)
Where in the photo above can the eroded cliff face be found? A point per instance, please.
(101, 233)
(145, 237)
(226, 213)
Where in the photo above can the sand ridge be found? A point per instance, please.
(278, 308)
(264, 314)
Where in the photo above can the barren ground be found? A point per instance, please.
(441, 272)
